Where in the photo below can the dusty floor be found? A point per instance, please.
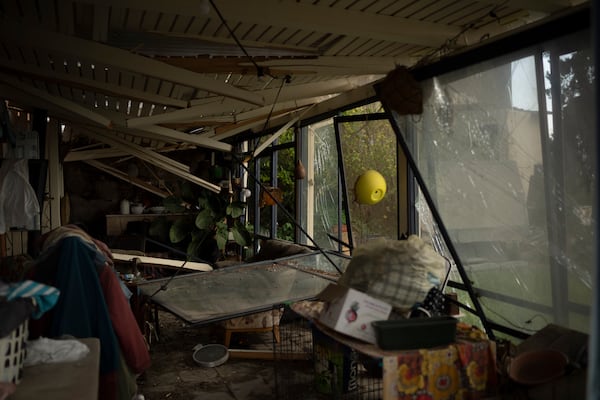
(175, 375)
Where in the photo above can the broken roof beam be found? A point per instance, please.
(58, 101)
(90, 84)
(97, 52)
(198, 140)
(95, 154)
(123, 176)
(152, 157)
(218, 107)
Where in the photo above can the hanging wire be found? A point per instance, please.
(260, 71)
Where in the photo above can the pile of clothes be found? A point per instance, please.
(90, 301)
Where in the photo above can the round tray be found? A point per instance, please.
(210, 355)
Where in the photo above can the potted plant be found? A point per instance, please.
(212, 222)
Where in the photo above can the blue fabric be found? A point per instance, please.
(81, 310)
(45, 296)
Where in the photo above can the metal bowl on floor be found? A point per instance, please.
(210, 355)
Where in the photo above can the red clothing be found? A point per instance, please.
(131, 340)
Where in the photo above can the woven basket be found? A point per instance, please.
(12, 354)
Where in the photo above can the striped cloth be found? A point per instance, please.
(43, 296)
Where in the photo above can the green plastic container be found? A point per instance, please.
(415, 333)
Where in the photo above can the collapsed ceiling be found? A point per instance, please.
(142, 77)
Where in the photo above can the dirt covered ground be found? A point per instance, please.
(175, 375)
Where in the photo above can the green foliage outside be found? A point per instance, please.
(286, 161)
(371, 144)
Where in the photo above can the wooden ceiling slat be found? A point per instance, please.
(101, 15)
(361, 5)
(341, 5)
(66, 16)
(382, 7)
(463, 14)
(123, 59)
(118, 17)
(181, 24)
(396, 8)
(339, 46)
(165, 88)
(359, 38)
(134, 19)
(196, 25)
(165, 22)
(152, 85)
(149, 21)
(360, 46)
(15, 7)
(10, 51)
(411, 10)
(377, 49)
(48, 18)
(214, 27)
(433, 9)
(28, 56)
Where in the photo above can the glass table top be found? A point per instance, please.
(205, 297)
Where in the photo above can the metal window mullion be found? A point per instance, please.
(436, 216)
(343, 203)
(554, 195)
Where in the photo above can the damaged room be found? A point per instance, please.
(293, 199)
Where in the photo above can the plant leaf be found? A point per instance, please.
(222, 235)
(205, 219)
(203, 201)
(179, 231)
(236, 209)
(241, 234)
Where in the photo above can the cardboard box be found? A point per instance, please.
(351, 312)
(336, 365)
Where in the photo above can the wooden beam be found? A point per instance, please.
(307, 17)
(201, 109)
(151, 157)
(124, 177)
(323, 107)
(255, 124)
(280, 66)
(198, 266)
(277, 134)
(89, 84)
(95, 154)
(89, 50)
(188, 138)
(58, 101)
(134, 149)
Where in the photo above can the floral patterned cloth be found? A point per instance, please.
(464, 370)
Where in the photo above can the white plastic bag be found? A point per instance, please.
(19, 207)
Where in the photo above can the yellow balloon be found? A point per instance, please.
(370, 187)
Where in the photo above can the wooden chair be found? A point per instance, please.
(264, 321)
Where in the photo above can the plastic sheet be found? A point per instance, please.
(19, 207)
